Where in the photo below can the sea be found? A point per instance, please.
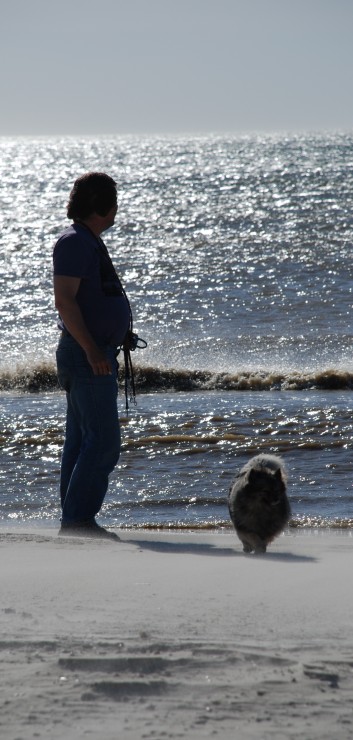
(236, 254)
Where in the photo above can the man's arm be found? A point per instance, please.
(65, 291)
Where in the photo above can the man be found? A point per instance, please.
(94, 320)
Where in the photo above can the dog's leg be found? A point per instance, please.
(246, 540)
(252, 542)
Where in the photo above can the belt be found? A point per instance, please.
(65, 333)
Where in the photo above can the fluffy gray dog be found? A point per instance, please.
(258, 504)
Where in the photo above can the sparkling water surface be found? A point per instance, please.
(180, 454)
(236, 256)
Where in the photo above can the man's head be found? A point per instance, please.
(93, 193)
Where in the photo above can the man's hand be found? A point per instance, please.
(99, 363)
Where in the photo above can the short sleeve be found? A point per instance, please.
(72, 257)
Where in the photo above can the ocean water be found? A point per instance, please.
(236, 256)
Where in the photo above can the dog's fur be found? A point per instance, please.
(258, 503)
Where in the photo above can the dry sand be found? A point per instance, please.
(175, 636)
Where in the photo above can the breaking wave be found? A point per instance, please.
(152, 379)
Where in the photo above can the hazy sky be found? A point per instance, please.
(167, 66)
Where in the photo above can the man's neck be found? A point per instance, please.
(93, 224)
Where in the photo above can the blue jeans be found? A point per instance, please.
(92, 439)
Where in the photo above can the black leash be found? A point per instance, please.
(131, 343)
(112, 286)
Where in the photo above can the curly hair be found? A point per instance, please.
(94, 192)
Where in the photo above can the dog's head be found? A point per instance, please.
(266, 485)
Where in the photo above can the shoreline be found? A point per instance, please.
(296, 526)
(175, 635)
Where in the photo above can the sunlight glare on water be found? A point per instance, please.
(236, 256)
(228, 247)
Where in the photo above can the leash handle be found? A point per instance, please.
(130, 389)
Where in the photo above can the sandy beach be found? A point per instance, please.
(175, 635)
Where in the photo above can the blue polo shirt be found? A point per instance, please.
(104, 307)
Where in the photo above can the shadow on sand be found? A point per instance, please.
(202, 548)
